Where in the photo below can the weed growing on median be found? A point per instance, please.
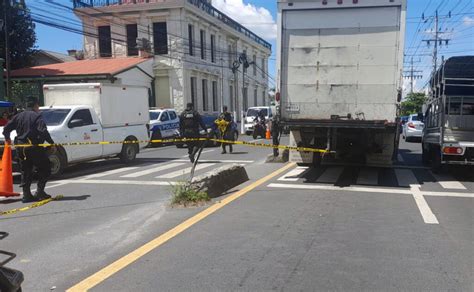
(184, 194)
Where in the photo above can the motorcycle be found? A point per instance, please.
(10, 279)
(259, 128)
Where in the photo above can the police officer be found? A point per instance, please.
(189, 123)
(227, 133)
(31, 129)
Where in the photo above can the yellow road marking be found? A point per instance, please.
(128, 259)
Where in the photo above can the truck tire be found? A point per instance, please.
(58, 162)
(317, 159)
(436, 164)
(129, 152)
(425, 155)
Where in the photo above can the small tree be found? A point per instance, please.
(413, 103)
(21, 34)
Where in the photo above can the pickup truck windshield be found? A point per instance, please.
(154, 115)
(253, 112)
(54, 117)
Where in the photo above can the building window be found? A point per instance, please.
(202, 35)
(231, 59)
(245, 54)
(215, 102)
(255, 97)
(204, 95)
(132, 35)
(105, 41)
(264, 98)
(191, 39)
(231, 98)
(160, 38)
(245, 99)
(254, 65)
(213, 48)
(194, 91)
(263, 67)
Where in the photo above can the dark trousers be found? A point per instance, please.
(227, 135)
(34, 157)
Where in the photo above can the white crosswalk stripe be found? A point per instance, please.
(152, 170)
(448, 182)
(331, 175)
(294, 175)
(368, 176)
(110, 172)
(185, 171)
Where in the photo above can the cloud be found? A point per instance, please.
(258, 19)
(468, 21)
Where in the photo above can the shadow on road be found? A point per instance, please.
(73, 198)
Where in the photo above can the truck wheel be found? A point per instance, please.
(317, 159)
(58, 163)
(425, 155)
(129, 152)
(436, 160)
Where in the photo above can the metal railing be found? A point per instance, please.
(201, 4)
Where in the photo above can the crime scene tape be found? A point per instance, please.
(34, 205)
(181, 140)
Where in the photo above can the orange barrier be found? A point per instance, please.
(6, 174)
(268, 135)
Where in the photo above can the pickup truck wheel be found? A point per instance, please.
(129, 152)
(58, 163)
(156, 136)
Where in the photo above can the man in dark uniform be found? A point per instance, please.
(31, 129)
(227, 134)
(189, 122)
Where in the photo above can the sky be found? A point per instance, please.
(260, 17)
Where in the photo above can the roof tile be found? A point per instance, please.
(110, 66)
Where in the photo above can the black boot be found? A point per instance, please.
(40, 193)
(27, 196)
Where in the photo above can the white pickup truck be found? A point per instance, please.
(95, 112)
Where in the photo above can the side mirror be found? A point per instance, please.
(76, 123)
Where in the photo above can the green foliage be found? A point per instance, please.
(185, 194)
(22, 36)
(413, 103)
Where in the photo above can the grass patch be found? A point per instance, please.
(184, 194)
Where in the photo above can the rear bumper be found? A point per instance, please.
(414, 133)
(466, 159)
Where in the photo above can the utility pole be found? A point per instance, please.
(7, 47)
(413, 74)
(245, 65)
(437, 39)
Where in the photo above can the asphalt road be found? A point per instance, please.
(289, 228)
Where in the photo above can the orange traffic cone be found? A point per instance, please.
(6, 175)
(268, 135)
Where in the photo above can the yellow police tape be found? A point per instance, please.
(34, 205)
(183, 140)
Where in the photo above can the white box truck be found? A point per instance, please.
(340, 68)
(95, 112)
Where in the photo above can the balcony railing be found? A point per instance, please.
(201, 4)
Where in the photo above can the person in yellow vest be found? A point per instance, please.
(224, 124)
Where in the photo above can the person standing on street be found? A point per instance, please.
(189, 123)
(226, 133)
(31, 129)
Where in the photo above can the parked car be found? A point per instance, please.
(252, 113)
(164, 124)
(413, 128)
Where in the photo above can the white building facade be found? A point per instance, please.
(196, 50)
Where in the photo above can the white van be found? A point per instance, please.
(252, 113)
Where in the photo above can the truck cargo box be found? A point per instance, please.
(342, 58)
(115, 105)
